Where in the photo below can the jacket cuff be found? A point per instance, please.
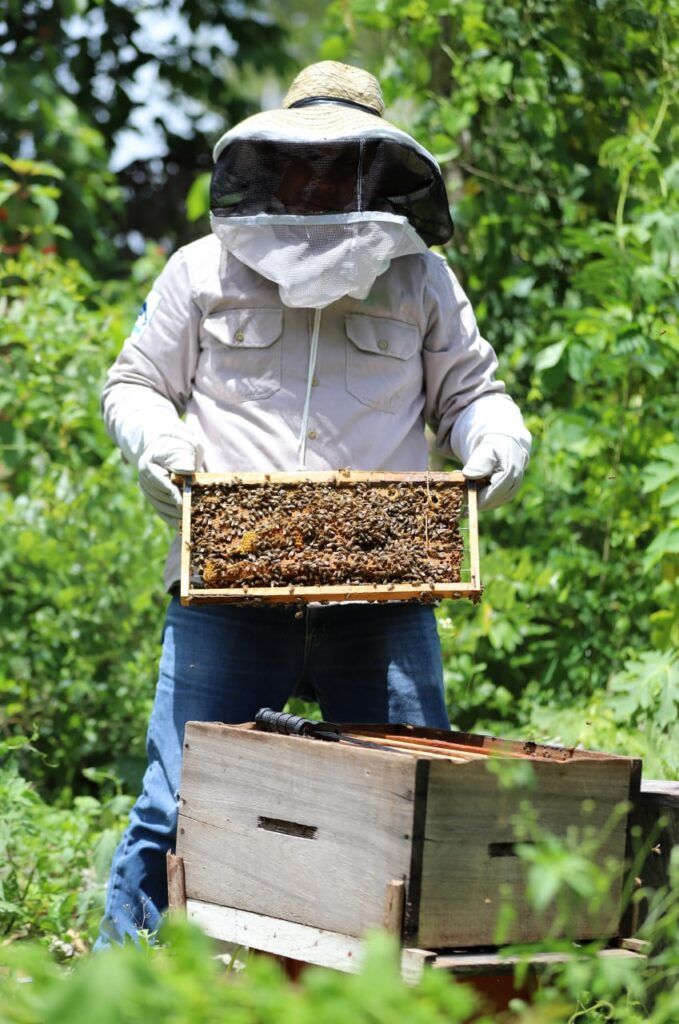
(489, 414)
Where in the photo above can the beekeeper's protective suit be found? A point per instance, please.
(313, 329)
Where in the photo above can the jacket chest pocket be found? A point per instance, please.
(244, 352)
(384, 368)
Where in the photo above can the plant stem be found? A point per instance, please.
(627, 173)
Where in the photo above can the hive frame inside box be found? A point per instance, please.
(322, 896)
(470, 588)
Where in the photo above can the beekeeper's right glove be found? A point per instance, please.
(162, 457)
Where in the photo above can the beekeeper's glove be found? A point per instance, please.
(162, 457)
(501, 458)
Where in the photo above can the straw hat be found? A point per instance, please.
(333, 103)
(331, 80)
(326, 102)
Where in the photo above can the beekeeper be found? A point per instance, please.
(313, 329)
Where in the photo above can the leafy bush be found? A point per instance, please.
(555, 123)
(555, 126)
(566, 875)
(82, 600)
(76, 77)
(183, 982)
(53, 862)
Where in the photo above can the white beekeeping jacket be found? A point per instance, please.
(314, 329)
(219, 357)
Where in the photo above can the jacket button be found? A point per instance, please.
(383, 344)
(239, 336)
(311, 434)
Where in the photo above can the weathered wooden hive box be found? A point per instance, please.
(313, 832)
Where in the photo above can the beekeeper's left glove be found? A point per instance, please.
(501, 459)
(165, 455)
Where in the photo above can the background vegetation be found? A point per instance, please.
(555, 123)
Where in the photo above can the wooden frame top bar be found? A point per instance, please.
(336, 476)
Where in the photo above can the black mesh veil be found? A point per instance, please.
(270, 176)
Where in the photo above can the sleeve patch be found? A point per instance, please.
(146, 313)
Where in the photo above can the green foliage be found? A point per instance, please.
(81, 607)
(53, 861)
(590, 988)
(41, 123)
(198, 198)
(182, 981)
(566, 876)
(28, 207)
(77, 79)
(183, 984)
(556, 125)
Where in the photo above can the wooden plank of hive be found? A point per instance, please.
(424, 749)
(293, 828)
(326, 477)
(324, 948)
(656, 820)
(185, 556)
(394, 907)
(470, 964)
(473, 520)
(176, 890)
(485, 743)
(332, 592)
(469, 848)
(316, 946)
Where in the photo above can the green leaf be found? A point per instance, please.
(660, 473)
(550, 356)
(333, 48)
(519, 287)
(543, 884)
(198, 198)
(666, 543)
(15, 742)
(31, 168)
(7, 188)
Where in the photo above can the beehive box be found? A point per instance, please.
(313, 832)
(342, 536)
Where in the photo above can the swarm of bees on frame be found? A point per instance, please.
(315, 535)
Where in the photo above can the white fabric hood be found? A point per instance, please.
(317, 260)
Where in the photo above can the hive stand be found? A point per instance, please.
(321, 948)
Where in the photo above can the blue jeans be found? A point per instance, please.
(365, 663)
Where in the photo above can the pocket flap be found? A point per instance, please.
(245, 328)
(381, 336)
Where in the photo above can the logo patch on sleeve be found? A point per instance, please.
(147, 312)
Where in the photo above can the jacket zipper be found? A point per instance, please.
(313, 355)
